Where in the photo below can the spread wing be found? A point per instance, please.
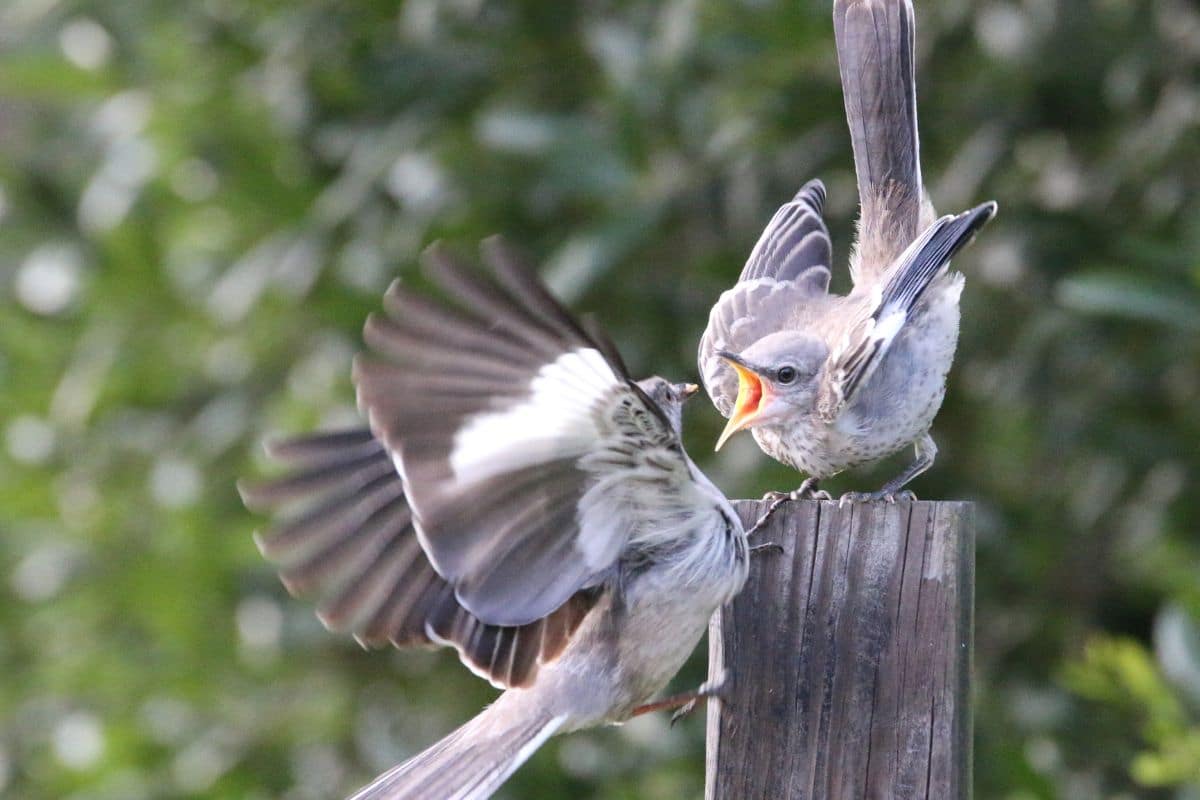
(865, 343)
(787, 269)
(520, 437)
(794, 241)
(344, 534)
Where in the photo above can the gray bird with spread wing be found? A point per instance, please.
(826, 382)
(518, 497)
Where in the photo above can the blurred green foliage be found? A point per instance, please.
(201, 201)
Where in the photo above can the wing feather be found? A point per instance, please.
(351, 544)
(743, 315)
(490, 501)
(494, 442)
(907, 282)
(795, 241)
(787, 272)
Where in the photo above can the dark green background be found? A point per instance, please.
(202, 201)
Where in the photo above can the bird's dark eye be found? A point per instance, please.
(786, 374)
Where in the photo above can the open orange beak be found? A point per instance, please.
(751, 397)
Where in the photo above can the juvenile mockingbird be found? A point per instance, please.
(518, 497)
(826, 382)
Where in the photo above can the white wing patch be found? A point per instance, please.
(554, 422)
(602, 527)
(857, 357)
(887, 328)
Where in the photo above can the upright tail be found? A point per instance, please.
(875, 55)
(472, 762)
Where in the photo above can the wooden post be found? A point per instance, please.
(849, 657)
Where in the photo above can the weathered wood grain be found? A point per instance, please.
(849, 657)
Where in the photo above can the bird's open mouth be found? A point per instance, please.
(748, 404)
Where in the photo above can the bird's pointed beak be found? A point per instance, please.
(751, 397)
(688, 389)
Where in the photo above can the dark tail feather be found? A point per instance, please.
(472, 762)
(875, 56)
(929, 255)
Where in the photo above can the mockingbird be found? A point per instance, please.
(826, 382)
(518, 497)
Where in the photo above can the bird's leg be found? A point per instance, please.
(766, 515)
(808, 490)
(926, 452)
(685, 702)
(893, 490)
(762, 520)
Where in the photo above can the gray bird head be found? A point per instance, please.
(670, 397)
(777, 375)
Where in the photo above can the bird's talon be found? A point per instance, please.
(805, 491)
(851, 497)
(809, 490)
(767, 546)
(766, 515)
(683, 711)
(889, 497)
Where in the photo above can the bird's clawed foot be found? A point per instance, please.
(766, 515)
(686, 702)
(766, 546)
(884, 494)
(807, 490)
(710, 688)
(684, 710)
